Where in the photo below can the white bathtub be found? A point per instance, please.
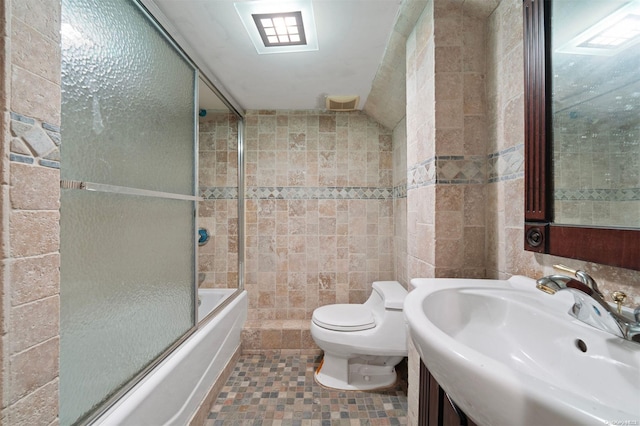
(211, 298)
(172, 392)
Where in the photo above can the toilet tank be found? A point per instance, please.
(391, 292)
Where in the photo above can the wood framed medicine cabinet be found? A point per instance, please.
(615, 246)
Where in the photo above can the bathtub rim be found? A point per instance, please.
(233, 293)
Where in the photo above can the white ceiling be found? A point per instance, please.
(352, 36)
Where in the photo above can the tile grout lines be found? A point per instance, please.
(280, 390)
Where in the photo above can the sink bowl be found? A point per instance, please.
(508, 353)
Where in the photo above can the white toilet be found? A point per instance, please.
(362, 344)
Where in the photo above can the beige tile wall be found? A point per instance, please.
(445, 137)
(218, 213)
(505, 93)
(317, 230)
(420, 146)
(30, 191)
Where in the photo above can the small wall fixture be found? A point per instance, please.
(342, 103)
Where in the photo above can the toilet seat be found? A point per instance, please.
(344, 317)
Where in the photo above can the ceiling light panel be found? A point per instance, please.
(280, 29)
(279, 26)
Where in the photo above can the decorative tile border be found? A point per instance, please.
(460, 170)
(453, 170)
(507, 164)
(447, 169)
(423, 174)
(33, 141)
(627, 194)
(504, 165)
(400, 191)
(218, 192)
(302, 193)
(319, 193)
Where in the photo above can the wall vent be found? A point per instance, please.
(342, 103)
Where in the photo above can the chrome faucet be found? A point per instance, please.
(590, 306)
(583, 277)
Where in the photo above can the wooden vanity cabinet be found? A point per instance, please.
(435, 407)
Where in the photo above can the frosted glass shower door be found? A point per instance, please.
(128, 204)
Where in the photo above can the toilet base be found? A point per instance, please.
(364, 374)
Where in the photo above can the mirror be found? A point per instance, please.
(595, 110)
(218, 181)
(582, 136)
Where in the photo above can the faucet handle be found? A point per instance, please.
(582, 276)
(619, 297)
(564, 268)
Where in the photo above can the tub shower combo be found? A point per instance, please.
(139, 342)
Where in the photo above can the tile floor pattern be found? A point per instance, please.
(280, 390)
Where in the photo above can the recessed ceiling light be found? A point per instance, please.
(611, 35)
(280, 29)
(279, 26)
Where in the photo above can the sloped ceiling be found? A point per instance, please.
(361, 52)
(352, 37)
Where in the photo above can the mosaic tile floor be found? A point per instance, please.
(280, 390)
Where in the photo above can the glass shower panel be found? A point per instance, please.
(127, 291)
(127, 288)
(128, 99)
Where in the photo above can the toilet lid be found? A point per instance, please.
(344, 317)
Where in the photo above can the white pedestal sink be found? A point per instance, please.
(509, 354)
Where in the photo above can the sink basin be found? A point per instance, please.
(508, 353)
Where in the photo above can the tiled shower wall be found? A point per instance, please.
(30, 120)
(218, 212)
(319, 218)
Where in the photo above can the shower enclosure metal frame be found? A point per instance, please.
(208, 76)
(164, 28)
(240, 200)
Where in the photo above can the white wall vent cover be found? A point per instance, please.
(342, 103)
